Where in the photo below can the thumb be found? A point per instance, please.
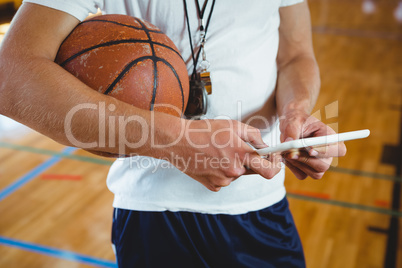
(292, 131)
(251, 135)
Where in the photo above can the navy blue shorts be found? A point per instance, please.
(265, 238)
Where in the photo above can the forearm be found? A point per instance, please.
(40, 94)
(43, 96)
(298, 85)
(298, 75)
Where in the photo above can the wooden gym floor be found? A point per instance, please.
(55, 209)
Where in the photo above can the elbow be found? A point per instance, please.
(5, 89)
(284, 60)
(11, 78)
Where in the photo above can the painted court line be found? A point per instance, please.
(357, 33)
(57, 253)
(346, 205)
(108, 163)
(365, 174)
(311, 194)
(54, 153)
(382, 203)
(33, 174)
(62, 177)
(295, 195)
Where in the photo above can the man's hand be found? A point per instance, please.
(296, 124)
(215, 152)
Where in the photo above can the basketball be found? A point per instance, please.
(129, 59)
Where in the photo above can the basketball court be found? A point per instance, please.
(56, 211)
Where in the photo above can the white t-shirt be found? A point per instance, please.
(242, 44)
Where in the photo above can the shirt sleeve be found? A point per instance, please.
(77, 8)
(285, 3)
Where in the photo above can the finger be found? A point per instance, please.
(282, 137)
(313, 167)
(214, 188)
(266, 168)
(306, 169)
(251, 172)
(293, 154)
(316, 129)
(217, 185)
(233, 172)
(330, 150)
(314, 163)
(297, 172)
(251, 135)
(292, 131)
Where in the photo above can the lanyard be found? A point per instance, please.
(203, 33)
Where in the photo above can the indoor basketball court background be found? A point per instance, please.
(56, 211)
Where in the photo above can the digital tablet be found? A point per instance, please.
(314, 142)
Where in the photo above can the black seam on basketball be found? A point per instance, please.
(154, 59)
(112, 43)
(121, 24)
(155, 85)
(124, 71)
(165, 46)
(178, 80)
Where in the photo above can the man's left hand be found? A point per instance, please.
(313, 162)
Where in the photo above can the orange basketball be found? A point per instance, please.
(129, 59)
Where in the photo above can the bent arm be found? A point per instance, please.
(298, 74)
(40, 94)
(297, 91)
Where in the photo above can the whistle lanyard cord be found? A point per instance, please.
(201, 16)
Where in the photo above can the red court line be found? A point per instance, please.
(357, 33)
(382, 203)
(61, 177)
(311, 194)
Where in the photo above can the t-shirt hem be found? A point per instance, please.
(286, 3)
(124, 202)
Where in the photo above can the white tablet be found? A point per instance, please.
(315, 141)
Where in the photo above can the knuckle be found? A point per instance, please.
(254, 130)
(317, 176)
(271, 173)
(323, 167)
(214, 188)
(301, 176)
(343, 151)
(226, 182)
(234, 172)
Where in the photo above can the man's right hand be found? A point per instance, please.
(215, 152)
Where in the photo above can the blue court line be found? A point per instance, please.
(57, 253)
(33, 174)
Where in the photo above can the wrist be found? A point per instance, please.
(299, 106)
(166, 131)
